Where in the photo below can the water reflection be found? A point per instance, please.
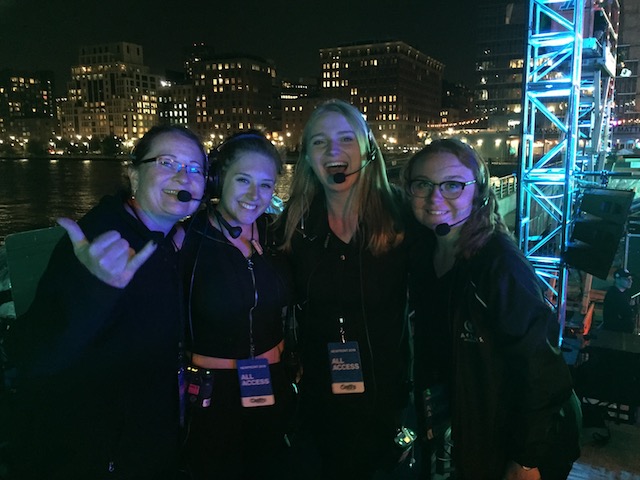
(284, 181)
(34, 192)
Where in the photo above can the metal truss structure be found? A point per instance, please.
(569, 71)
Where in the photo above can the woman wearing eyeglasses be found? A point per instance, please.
(97, 352)
(481, 328)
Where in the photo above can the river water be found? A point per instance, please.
(34, 192)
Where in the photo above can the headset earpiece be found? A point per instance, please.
(372, 147)
(214, 183)
(219, 156)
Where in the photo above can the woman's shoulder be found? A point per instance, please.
(498, 243)
(500, 249)
(108, 214)
(502, 258)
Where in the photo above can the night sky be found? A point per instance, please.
(46, 34)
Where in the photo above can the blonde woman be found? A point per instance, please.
(343, 229)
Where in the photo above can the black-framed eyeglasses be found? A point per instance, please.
(450, 189)
(169, 163)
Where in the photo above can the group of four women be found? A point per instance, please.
(132, 289)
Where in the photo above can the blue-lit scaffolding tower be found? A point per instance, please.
(569, 74)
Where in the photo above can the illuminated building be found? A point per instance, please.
(395, 86)
(194, 54)
(111, 92)
(27, 106)
(175, 103)
(626, 130)
(176, 95)
(457, 103)
(234, 92)
(500, 47)
(297, 99)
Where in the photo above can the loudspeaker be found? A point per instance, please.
(607, 204)
(597, 230)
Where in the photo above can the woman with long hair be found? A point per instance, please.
(482, 327)
(344, 231)
(236, 290)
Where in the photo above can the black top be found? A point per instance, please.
(222, 287)
(617, 312)
(432, 360)
(105, 359)
(332, 280)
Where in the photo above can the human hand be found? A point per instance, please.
(109, 257)
(516, 472)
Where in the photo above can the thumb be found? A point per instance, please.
(73, 230)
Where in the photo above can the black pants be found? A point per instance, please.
(228, 441)
(344, 445)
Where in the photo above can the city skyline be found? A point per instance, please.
(47, 36)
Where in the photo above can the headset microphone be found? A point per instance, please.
(234, 232)
(443, 229)
(341, 176)
(185, 196)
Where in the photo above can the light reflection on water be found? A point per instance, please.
(34, 192)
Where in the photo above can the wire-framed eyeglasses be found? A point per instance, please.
(450, 189)
(169, 163)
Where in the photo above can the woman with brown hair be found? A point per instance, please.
(482, 325)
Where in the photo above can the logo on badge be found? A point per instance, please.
(469, 334)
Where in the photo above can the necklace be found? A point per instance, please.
(255, 243)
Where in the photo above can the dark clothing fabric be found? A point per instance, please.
(482, 331)
(227, 441)
(97, 391)
(617, 313)
(230, 296)
(336, 280)
(222, 285)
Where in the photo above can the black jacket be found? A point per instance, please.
(333, 279)
(485, 334)
(222, 290)
(97, 365)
